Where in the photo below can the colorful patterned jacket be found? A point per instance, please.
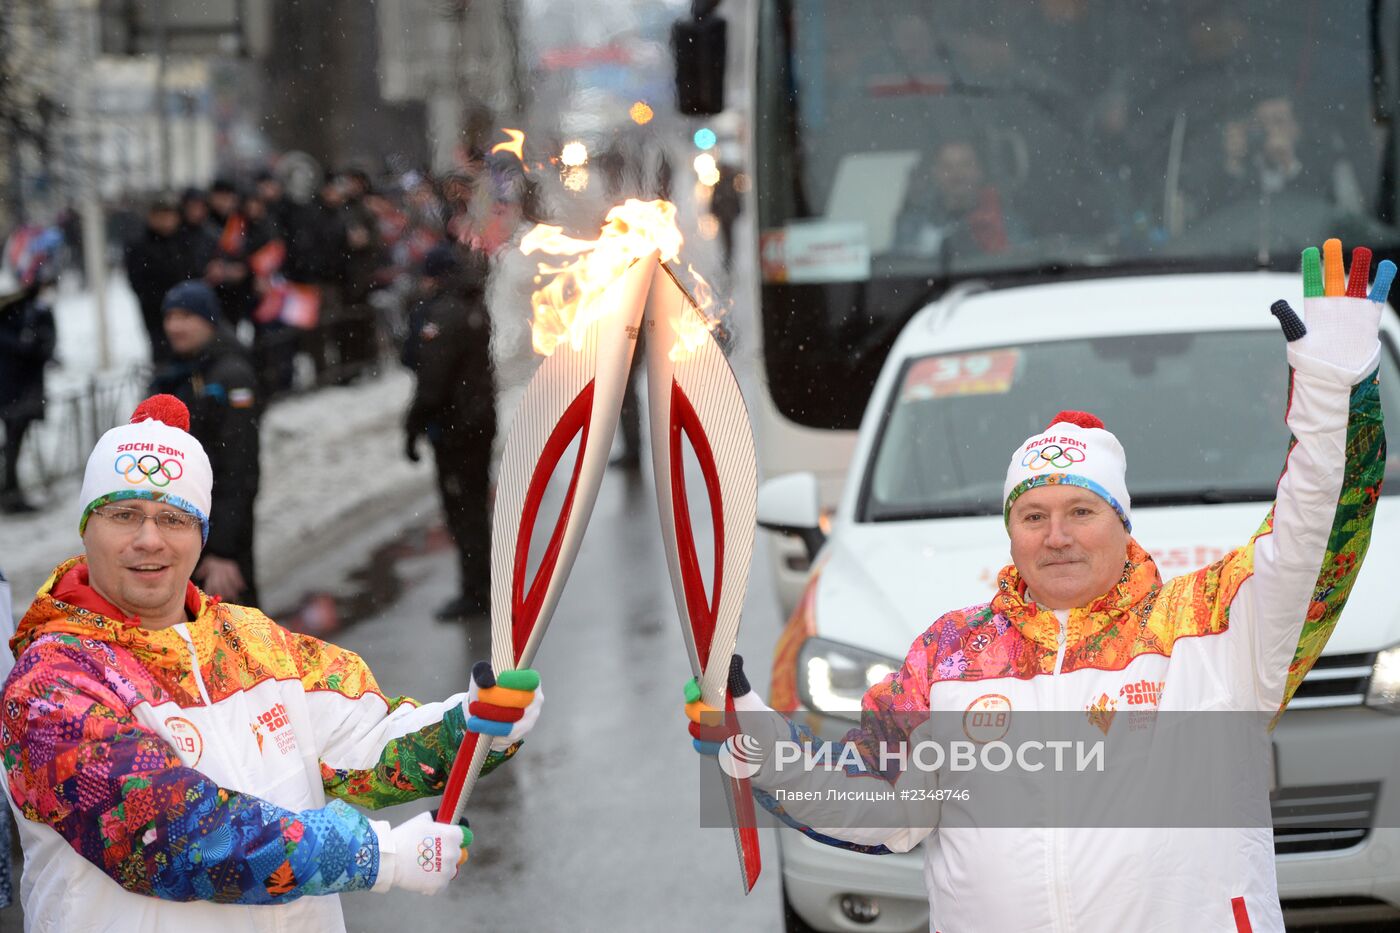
(177, 779)
(1237, 636)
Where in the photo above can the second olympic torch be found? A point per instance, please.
(575, 394)
(695, 399)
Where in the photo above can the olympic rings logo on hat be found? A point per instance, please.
(426, 852)
(1052, 455)
(149, 468)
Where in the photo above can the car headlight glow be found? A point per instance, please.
(832, 677)
(1384, 691)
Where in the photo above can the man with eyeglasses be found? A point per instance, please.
(170, 755)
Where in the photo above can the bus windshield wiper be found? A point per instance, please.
(1211, 495)
(928, 512)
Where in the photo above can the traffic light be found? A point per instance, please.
(699, 45)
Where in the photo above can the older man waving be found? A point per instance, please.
(1082, 611)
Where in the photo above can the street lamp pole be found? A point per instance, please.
(162, 117)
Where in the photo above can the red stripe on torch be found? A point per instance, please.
(703, 614)
(457, 777)
(745, 815)
(525, 604)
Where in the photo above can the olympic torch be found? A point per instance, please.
(576, 393)
(694, 397)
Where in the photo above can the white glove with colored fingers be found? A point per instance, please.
(1341, 318)
(505, 708)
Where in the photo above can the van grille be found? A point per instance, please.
(1336, 680)
(1323, 817)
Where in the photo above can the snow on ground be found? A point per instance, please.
(79, 348)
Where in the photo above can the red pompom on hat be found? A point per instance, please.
(1081, 418)
(167, 409)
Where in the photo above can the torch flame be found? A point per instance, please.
(692, 330)
(570, 294)
(570, 299)
(515, 145)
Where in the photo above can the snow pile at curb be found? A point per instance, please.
(329, 459)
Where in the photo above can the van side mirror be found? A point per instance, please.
(699, 45)
(791, 505)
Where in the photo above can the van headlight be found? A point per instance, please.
(1384, 691)
(832, 677)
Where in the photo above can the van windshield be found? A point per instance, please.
(954, 419)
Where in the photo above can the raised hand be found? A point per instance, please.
(1341, 316)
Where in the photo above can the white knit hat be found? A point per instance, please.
(154, 457)
(1076, 450)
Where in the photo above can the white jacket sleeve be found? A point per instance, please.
(1306, 555)
(376, 751)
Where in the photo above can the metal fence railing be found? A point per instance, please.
(79, 411)
(57, 448)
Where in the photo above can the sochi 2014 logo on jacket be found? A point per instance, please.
(1142, 692)
(273, 723)
(1102, 711)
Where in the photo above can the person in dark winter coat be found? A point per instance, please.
(156, 261)
(228, 270)
(213, 376)
(318, 251)
(27, 340)
(454, 405)
(197, 229)
(279, 210)
(359, 337)
(275, 343)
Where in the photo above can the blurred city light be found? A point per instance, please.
(574, 154)
(705, 138)
(706, 169)
(640, 113)
(515, 145)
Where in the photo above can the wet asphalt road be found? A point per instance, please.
(595, 824)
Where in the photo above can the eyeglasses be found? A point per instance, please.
(132, 519)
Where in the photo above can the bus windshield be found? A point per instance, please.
(905, 145)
